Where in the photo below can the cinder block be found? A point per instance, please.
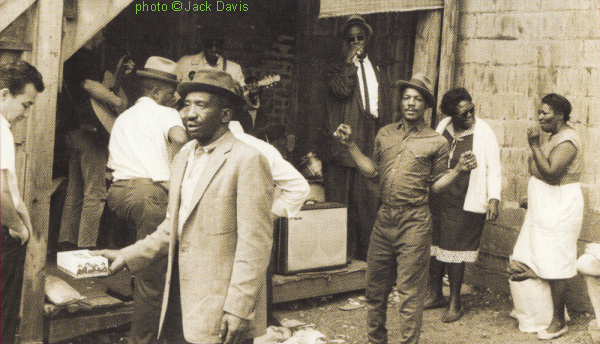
(468, 25)
(593, 115)
(503, 106)
(522, 80)
(591, 196)
(562, 5)
(475, 51)
(486, 25)
(591, 53)
(551, 24)
(569, 82)
(514, 52)
(529, 24)
(509, 25)
(548, 79)
(477, 6)
(514, 161)
(582, 24)
(515, 134)
(590, 230)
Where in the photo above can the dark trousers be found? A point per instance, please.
(142, 204)
(12, 263)
(399, 252)
(347, 186)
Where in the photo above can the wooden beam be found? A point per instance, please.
(448, 48)
(11, 10)
(427, 48)
(40, 155)
(92, 16)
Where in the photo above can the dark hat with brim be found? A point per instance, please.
(213, 81)
(357, 20)
(160, 68)
(420, 83)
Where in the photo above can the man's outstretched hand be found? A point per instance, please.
(117, 261)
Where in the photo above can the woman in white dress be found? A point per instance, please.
(547, 243)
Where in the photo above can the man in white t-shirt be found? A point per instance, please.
(143, 141)
(20, 83)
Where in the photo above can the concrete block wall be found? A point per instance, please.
(510, 54)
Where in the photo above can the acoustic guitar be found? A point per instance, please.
(106, 113)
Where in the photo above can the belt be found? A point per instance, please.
(135, 181)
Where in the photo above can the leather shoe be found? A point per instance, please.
(449, 317)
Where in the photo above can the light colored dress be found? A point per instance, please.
(547, 242)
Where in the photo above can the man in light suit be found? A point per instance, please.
(218, 232)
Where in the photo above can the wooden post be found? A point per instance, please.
(40, 155)
(448, 49)
(427, 48)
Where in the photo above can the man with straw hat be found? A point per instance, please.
(141, 147)
(409, 159)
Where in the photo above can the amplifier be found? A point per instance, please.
(316, 239)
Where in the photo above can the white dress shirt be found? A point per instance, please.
(291, 188)
(197, 159)
(139, 144)
(372, 85)
(7, 163)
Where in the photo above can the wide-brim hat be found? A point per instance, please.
(160, 68)
(213, 81)
(356, 20)
(421, 83)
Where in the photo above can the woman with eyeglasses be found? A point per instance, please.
(459, 212)
(547, 243)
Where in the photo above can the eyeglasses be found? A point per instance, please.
(470, 110)
(357, 38)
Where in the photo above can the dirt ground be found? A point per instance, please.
(487, 320)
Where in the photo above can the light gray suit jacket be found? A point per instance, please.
(225, 244)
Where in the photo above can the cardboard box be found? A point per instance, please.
(81, 264)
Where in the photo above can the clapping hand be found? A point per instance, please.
(533, 135)
(467, 161)
(343, 133)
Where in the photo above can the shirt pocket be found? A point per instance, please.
(420, 153)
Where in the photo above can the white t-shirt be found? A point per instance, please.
(139, 143)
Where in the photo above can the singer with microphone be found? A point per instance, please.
(354, 98)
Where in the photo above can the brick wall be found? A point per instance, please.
(510, 54)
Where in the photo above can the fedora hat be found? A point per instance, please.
(356, 20)
(421, 83)
(160, 68)
(213, 81)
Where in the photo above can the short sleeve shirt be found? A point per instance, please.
(408, 160)
(139, 144)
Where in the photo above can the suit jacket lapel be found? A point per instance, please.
(214, 162)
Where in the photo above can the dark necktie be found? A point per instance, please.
(364, 79)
